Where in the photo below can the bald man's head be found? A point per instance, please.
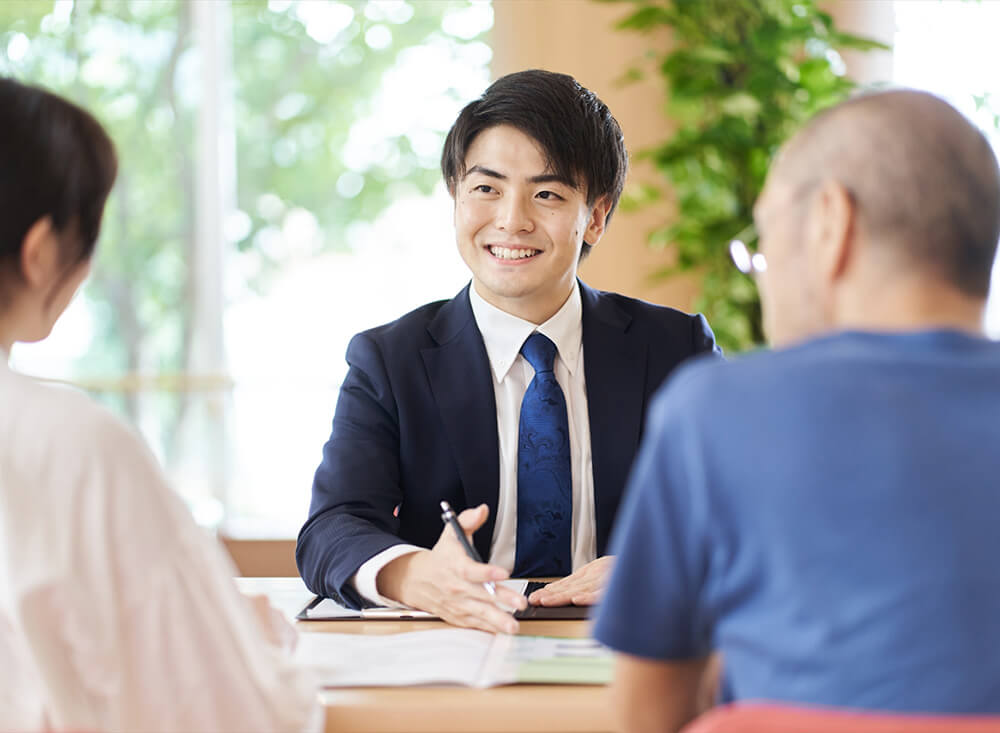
(924, 180)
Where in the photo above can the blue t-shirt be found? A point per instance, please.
(827, 517)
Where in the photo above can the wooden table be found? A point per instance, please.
(438, 709)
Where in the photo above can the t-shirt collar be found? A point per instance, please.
(504, 334)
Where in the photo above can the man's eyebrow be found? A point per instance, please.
(541, 178)
(483, 170)
(552, 178)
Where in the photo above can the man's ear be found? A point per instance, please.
(832, 232)
(598, 221)
(40, 254)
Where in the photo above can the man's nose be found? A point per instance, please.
(514, 215)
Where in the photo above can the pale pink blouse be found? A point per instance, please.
(117, 612)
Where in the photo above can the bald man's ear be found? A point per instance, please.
(833, 225)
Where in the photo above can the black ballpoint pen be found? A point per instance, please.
(448, 517)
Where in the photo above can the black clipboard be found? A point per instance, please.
(531, 613)
(550, 613)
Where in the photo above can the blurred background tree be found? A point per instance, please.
(305, 76)
(741, 76)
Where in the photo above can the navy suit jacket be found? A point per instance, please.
(416, 424)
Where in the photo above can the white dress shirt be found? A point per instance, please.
(117, 612)
(503, 336)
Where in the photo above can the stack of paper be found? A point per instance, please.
(451, 656)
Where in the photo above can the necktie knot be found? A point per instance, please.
(540, 352)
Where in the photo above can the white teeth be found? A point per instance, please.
(505, 253)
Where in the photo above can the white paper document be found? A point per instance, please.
(451, 657)
(327, 609)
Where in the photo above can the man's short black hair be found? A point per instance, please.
(57, 161)
(581, 140)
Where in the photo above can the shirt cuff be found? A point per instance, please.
(364, 579)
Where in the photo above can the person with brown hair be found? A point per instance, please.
(117, 613)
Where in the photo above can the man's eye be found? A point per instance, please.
(483, 188)
(549, 195)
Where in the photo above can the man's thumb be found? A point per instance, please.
(473, 519)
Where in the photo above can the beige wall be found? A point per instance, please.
(576, 37)
(873, 19)
(262, 558)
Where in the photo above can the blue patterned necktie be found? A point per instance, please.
(544, 475)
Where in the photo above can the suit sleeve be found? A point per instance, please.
(357, 486)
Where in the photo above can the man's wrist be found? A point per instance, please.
(364, 580)
(391, 580)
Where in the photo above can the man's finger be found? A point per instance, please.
(501, 595)
(479, 616)
(589, 598)
(469, 579)
(481, 624)
(549, 596)
(473, 519)
(558, 585)
(475, 572)
(487, 616)
(478, 593)
(553, 599)
(509, 598)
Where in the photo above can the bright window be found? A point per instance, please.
(950, 48)
(279, 191)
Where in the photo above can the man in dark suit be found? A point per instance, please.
(520, 401)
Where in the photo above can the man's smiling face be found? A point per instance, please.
(519, 227)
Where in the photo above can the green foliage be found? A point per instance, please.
(297, 100)
(742, 76)
(132, 63)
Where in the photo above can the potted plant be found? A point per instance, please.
(741, 77)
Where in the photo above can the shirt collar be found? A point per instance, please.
(504, 334)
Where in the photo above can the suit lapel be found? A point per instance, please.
(460, 378)
(615, 370)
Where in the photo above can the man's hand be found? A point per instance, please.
(583, 588)
(448, 583)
